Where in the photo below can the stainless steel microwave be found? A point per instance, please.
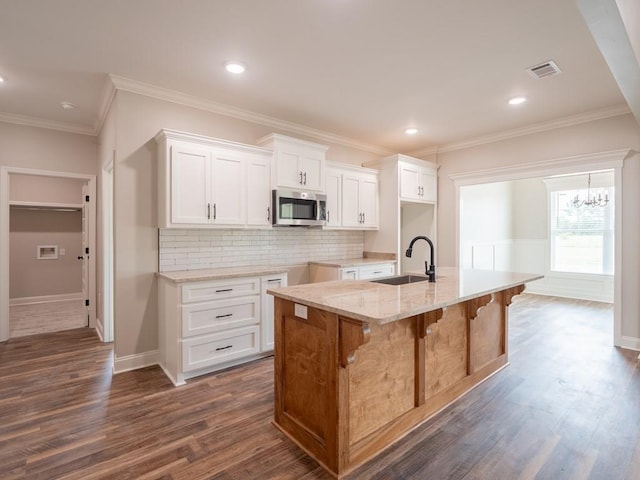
(299, 208)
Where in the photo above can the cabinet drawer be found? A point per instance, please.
(207, 350)
(377, 271)
(209, 317)
(202, 291)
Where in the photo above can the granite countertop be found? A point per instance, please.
(374, 302)
(219, 273)
(352, 262)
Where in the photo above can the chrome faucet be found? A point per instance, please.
(429, 270)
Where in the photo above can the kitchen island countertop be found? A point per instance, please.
(379, 303)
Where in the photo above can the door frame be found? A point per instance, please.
(613, 160)
(5, 172)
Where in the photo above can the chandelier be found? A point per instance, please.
(591, 201)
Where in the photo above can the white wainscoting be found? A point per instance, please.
(531, 256)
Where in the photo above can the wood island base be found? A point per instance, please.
(346, 389)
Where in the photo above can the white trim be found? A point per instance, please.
(140, 88)
(99, 329)
(546, 168)
(134, 362)
(105, 323)
(586, 117)
(4, 239)
(63, 297)
(561, 166)
(44, 123)
(630, 343)
(45, 205)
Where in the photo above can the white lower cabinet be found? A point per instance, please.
(209, 325)
(324, 272)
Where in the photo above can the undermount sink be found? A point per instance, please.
(401, 279)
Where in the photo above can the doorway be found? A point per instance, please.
(68, 201)
(612, 161)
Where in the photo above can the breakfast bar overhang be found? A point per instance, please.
(359, 364)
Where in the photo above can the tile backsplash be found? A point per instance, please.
(192, 249)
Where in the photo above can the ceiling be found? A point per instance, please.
(358, 69)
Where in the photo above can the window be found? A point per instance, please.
(582, 237)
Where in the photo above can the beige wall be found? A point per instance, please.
(138, 120)
(599, 136)
(30, 277)
(51, 150)
(37, 189)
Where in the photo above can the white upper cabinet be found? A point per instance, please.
(190, 184)
(356, 198)
(298, 164)
(205, 182)
(333, 190)
(259, 191)
(418, 183)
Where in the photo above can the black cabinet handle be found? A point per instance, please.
(273, 280)
(225, 316)
(208, 211)
(268, 213)
(214, 211)
(300, 178)
(305, 178)
(80, 257)
(225, 290)
(223, 348)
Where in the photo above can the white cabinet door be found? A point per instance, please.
(429, 183)
(190, 185)
(227, 178)
(288, 165)
(312, 167)
(334, 197)
(418, 183)
(258, 191)
(272, 281)
(368, 200)
(376, 271)
(349, 273)
(409, 181)
(351, 213)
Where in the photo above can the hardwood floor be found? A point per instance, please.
(568, 407)
(46, 317)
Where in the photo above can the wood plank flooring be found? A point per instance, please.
(46, 317)
(568, 407)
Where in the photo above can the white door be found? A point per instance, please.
(409, 181)
(368, 200)
(227, 179)
(312, 168)
(429, 183)
(258, 191)
(334, 194)
(275, 281)
(190, 185)
(351, 214)
(289, 173)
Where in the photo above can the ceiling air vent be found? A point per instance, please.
(546, 69)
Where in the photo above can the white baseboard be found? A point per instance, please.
(99, 329)
(134, 362)
(64, 297)
(631, 343)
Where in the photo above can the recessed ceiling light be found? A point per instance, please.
(235, 67)
(68, 106)
(2, 79)
(411, 131)
(517, 100)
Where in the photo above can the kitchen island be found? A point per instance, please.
(359, 364)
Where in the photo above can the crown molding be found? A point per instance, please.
(140, 88)
(423, 152)
(43, 123)
(569, 121)
(556, 166)
(106, 99)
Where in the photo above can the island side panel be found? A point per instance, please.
(306, 379)
(446, 345)
(487, 332)
(382, 378)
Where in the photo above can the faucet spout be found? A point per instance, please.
(429, 270)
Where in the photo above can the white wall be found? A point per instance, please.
(530, 208)
(138, 120)
(614, 133)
